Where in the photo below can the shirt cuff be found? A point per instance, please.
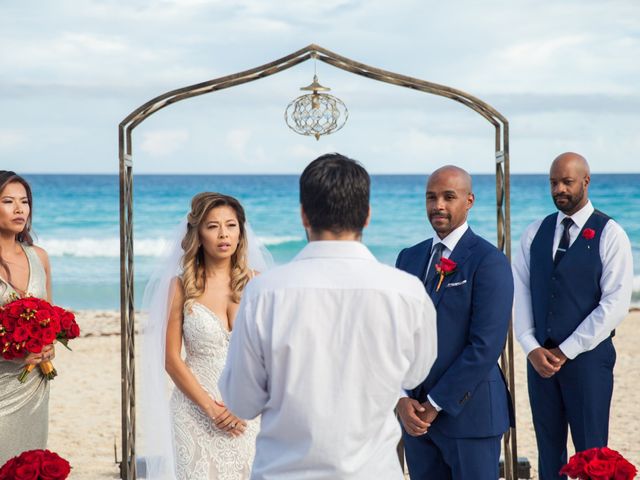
(571, 348)
(529, 343)
(435, 405)
(403, 394)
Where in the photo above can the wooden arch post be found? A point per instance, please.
(140, 114)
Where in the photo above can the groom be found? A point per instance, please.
(322, 345)
(464, 398)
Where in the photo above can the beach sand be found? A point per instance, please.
(85, 398)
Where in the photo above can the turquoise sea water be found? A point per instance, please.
(76, 220)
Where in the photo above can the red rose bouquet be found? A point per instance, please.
(35, 465)
(445, 268)
(28, 324)
(599, 464)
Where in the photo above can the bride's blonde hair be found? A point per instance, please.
(193, 268)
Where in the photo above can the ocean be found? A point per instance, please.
(76, 220)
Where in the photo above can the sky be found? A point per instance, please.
(566, 74)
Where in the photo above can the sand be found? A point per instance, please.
(85, 398)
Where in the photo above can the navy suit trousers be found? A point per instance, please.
(435, 456)
(579, 397)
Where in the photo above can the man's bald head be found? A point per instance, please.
(569, 178)
(459, 175)
(576, 162)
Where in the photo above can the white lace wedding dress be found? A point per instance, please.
(203, 452)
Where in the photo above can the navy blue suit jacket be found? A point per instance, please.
(473, 308)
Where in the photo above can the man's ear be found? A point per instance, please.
(366, 222)
(305, 220)
(470, 200)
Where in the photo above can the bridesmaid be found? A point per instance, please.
(24, 271)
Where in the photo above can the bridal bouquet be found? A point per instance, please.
(28, 324)
(35, 465)
(599, 464)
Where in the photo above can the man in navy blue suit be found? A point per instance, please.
(573, 279)
(453, 421)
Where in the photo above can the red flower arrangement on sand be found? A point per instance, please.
(588, 233)
(35, 465)
(599, 464)
(28, 324)
(445, 268)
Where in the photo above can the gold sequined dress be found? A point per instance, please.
(24, 407)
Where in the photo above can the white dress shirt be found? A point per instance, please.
(321, 347)
(616, 284)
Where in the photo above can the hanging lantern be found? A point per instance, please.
(316, 113)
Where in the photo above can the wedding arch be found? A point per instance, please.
(125, 151)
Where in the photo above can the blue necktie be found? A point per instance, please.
(436, 255)
(563, 246)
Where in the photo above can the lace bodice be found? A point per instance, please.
(202, 450)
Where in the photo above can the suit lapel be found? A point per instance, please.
(459, 255)
(419, 266)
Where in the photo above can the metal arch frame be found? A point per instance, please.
(135, 118)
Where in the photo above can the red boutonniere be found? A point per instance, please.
(588, 233)
(445, 268)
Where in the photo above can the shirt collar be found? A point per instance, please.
(335, 249)
(451, 240)
(580, 217)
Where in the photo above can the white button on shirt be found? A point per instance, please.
(321, 347)
(616, 284)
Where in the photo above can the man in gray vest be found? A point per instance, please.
(573, 281)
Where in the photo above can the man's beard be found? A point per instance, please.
(572, 201)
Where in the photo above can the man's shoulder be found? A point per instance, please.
(399, 280)
(420, 246)
(484, 249)
(417, 249)
(373, 275)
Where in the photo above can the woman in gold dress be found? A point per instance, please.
(24, 271)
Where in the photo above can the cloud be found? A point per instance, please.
(10, 139)
(163, 142)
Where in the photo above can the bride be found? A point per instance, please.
(193, 300)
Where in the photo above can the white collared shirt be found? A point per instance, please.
(616, 284)
(321, 347)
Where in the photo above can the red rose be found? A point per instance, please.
(32, 457)
(55, 324)
(30, 304)
(26, 471)
(598, 469)
(606, 453)
(54, 467)
(20, 334)
(575, 467)
(66, 320)
(17, 350)
(588, 233)
(34, 330)
(73, 331)
(7, 470)
(34, 345)
(624, 470)
(47, 335)
(589, 454)
(14, 309)
(447, 266)
(9, 323)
